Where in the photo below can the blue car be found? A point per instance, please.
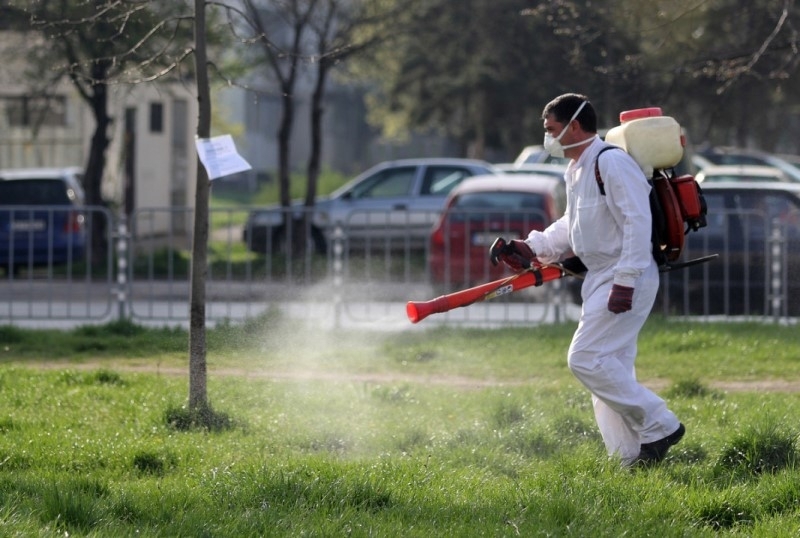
(41, 218)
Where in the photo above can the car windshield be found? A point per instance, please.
(33, 192)
(440, 180)
(511, 205)
(385, 184)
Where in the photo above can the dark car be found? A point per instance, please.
(41, 223)
(481, 209)
(755, 229)
(394, 202)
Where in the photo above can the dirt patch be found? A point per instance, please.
(775, 385)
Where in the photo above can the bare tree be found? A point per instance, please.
(284, 60)
(198, 396)
(94, 44)
(295, 35)
(341, 29)
(105, 42)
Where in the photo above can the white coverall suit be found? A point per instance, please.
(611, 235)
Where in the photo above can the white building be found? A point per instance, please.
(151, 162)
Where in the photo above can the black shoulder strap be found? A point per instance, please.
(597, 169)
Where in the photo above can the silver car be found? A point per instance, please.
(394, 203)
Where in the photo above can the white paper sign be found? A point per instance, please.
(218, 155)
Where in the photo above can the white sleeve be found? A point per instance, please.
(550, 244)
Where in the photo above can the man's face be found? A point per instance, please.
(555, 128)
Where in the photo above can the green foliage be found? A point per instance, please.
(690, 58)
(163, 262)
(9, 334)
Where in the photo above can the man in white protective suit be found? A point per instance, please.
(611, 234)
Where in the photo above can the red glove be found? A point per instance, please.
(620, 299)
(517, 255)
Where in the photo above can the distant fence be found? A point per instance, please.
(143, 274)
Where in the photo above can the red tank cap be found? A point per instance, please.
(639, 113)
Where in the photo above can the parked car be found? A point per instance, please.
(393, 203)
(755, 229)
(740, 172)
(550, 169)
(794, 160)
(479, 210)
(41, 223)
(537, 154)
(739, 156)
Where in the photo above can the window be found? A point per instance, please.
(156, 117)
(33, 192)
(386, 183)
(440, 180)
(500, 206)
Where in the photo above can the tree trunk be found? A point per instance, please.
(317, 110)
(93, 174)
(198, 398)
(294, 239)
(284, 141)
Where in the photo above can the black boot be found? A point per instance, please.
(652, 453)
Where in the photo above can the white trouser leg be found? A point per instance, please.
(602, 356)
(619, 438)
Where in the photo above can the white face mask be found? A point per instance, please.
(553, 145)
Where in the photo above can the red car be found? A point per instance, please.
(479, 210)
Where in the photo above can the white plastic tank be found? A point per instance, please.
(652, 139)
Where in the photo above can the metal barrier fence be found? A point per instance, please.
(142, 273)
(756, 274)
(51, 269)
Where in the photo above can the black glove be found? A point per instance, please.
(620, 299)
(516, 254)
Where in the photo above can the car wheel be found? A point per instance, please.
(314, 240)
(255, 239)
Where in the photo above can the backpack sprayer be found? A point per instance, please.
(677, 205)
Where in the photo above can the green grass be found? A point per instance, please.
(429, 432)
(268, 193)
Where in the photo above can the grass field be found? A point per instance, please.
(444, 432)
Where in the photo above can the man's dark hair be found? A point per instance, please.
(564, 106)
